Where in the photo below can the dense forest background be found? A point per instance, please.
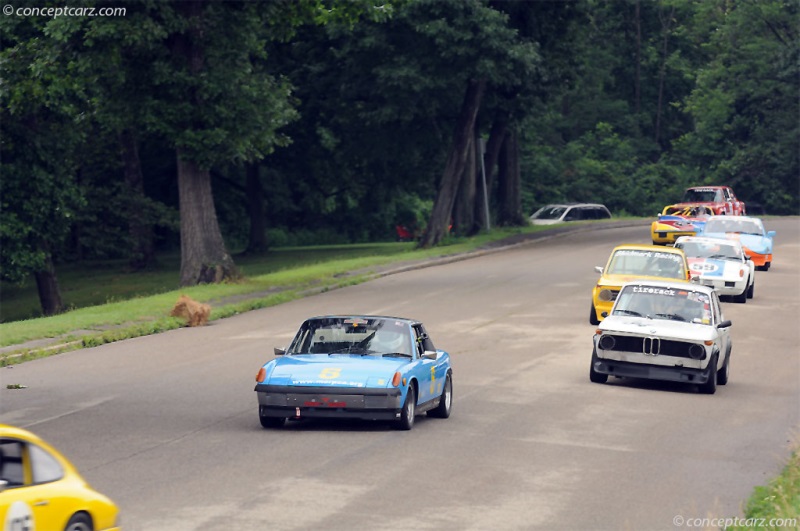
(225, 127)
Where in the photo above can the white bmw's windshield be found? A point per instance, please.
(664, 303)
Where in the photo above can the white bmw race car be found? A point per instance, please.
(721, 264)
(673, 331)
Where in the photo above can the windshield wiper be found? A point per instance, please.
(351, 350)
(628, 312)
(396, 355)
(670, 316)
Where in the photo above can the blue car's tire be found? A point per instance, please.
(409, 410)
(442, 411)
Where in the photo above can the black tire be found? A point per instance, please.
(751, 290)
(79, 522)
(271, 422)
(409, 411)
(767, 266)
(442, 411)
(594, 376)
(724, 373)
(593, 320)
(741, 298)
(710, 387)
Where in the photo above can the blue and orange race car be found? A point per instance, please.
(679, 220)
(756, 241)
(359, 367)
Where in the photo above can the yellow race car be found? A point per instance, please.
(679, 220)
(40, 489)
(633, 262)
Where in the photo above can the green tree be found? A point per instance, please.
(745, 103)
(42, 128)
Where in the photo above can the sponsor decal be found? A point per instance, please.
(653, 290)
(328, 382)
(703, 267)
(650, 254)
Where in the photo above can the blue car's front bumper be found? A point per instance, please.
(329, 402)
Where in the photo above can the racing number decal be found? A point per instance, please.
(330, 373)
(433, 379)
(19, 518)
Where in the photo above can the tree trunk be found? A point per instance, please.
(510, 184)
(255, 207)
(464, 207)
(497, 136)
(454, 169)
(142, 254)
(204, 258)
(47, 284)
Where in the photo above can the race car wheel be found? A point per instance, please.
(79, 522)
(271, 422)
(406, 421)
(442, 411)
(725, 371)
(751, 290)
(710, 387)
(593, 320)
(741, 298)
(594, 376)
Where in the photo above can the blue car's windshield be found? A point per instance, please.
(349, 335)
(734, 225)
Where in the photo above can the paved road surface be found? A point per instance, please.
(167, 425)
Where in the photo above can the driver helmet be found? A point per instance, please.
(388, 341)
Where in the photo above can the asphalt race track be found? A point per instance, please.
(167, 425)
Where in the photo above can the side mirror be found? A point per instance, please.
(599, 269)
(280, 351)
(725, 324)
(771, 234)
(430, 354)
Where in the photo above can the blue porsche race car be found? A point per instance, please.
(756, 240)
(363, 367)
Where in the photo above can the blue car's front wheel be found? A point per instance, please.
(409, 410)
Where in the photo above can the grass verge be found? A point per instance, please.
(775, 506)
(270, 279)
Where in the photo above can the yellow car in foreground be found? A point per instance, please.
(41, 490)
(632, 262)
